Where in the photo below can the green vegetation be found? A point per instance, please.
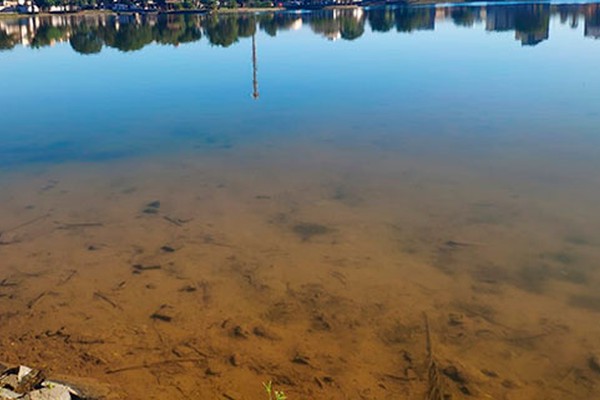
(463, 16)
(410, 19)
(274, 394)
(7, 41)
(164, 5)
(382, 21)
(47, 34)
(85, 41)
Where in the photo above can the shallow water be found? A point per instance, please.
(191, 206)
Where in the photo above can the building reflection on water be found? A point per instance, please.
(89, 34)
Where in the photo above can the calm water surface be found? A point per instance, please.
(193, 205)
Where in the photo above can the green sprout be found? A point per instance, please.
(274, 394)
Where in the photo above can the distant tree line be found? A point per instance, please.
(45, 5)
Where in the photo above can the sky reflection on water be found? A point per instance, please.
(458, 72)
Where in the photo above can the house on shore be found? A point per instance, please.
(8, 5)
(27, 7)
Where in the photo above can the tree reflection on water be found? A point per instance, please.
(90, 34)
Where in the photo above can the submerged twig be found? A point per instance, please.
(172, 220)
(9, 242)
(177, 221)
(435, 389)
(24, 224)
(140, 267)
(80, 225)
(195, 349)
(35, 300)
(101, 296)
(460, 243)
(161, 317)
(154, 364)
(6, 283)
(17, 227)
(72, 273)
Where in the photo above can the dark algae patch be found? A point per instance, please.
(153, 204)
(152, 207)
(306, 230)
(578, 240)
(594, 363)
(533, 278)
(561, 257)
(587, 302)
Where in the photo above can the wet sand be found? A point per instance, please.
(206, 273)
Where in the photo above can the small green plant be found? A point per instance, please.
(274, 394)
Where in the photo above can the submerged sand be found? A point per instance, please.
(204, 274)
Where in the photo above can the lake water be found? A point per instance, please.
(194, 205)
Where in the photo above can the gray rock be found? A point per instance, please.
(58, 392)
(23, 372)
(70, 389)
(9, 380)
(25, 383)
(6, 394)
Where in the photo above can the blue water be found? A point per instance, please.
(451, 77)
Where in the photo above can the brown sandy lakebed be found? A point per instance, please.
(203, 277)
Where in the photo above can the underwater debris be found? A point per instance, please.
(26, 383)
(435, 390)
(594, 362)
(307, 231)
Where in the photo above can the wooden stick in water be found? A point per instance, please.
(435, 390)
(154, 364)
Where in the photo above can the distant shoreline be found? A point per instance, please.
(239, 10)
(50, 14)
(246, 10)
